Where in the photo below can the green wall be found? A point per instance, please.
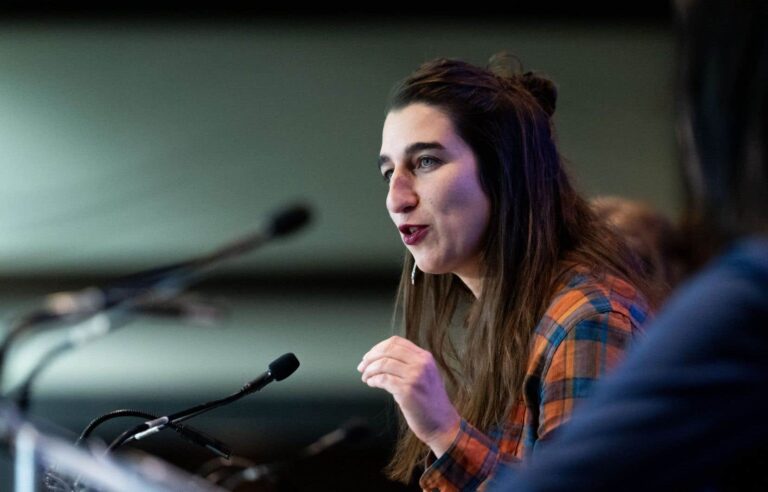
(125, 145)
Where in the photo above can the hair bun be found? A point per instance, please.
(543, 90)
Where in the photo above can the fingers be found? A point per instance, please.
(398, 366)
(389, 383)
(410, 374)
(394, 356)
(395, 347)
(385, 365)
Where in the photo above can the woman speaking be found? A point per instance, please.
(543, 296)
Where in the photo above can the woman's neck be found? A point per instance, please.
(473, 282)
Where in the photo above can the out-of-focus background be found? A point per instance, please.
(133, 138)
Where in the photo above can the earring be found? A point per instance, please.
(413, 274)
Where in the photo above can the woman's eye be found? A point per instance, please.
(387, 175)
(427, 162)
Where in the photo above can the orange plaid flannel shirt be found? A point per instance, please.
(585, 332)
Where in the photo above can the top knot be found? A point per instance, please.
(508, 69)
(543, 90)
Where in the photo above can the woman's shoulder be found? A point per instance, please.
(584, 294)
(592, 318)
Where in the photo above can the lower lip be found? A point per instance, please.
(416, 237)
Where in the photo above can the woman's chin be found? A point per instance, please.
(431, 268)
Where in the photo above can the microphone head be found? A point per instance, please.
(289, 220)
(283, 366)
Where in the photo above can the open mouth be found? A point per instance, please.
(413, 234)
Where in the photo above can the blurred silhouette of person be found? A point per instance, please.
(686, 409)
(649, 234)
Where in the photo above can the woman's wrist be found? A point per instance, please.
(443, 440)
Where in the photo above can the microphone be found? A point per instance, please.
(289, 220)
(278, 370)
(183, 307)
(352, 431)
(159, 284)
(94, 299)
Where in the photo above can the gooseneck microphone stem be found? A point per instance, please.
(159, 423)
(97, 326)
(24, 392)
(16, 329)
(159, 283)
(279, 369)
(186, 432)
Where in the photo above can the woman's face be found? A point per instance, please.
(435, 198)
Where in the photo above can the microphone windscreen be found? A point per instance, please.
(283, 366)
(290, 220)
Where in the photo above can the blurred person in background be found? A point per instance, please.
(651, 235)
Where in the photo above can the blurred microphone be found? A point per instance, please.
(184, 308)
(353, 431)
(125, 295)
(171, 279)
(279, 369)
(190, 309)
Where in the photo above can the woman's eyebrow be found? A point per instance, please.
(412, 149)
(419, 146)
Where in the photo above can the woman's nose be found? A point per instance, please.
(402, 197)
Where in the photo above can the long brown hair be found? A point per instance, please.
(539, 227)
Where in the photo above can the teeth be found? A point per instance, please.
(411, 230)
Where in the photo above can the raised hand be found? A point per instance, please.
(410, 375)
